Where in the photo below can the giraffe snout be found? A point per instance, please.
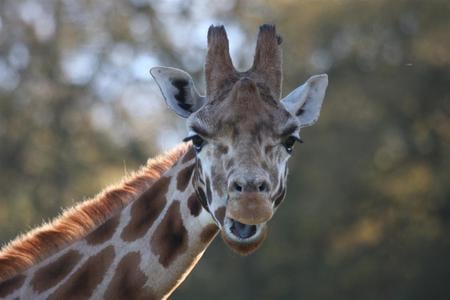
(251, 209)
(240, 186)
(249, 201)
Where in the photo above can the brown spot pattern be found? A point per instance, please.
(146, 210)
(77, 222)
(84, 281)
(194, 205)
(184, 176)
(279, 198)
(52, 274)
(208, 233)
(234, 133)
(128, 281)
(103, 232)
(200, 169)
(300, 112)
(170, 238)
(230, 163)
(218, 180)
(281, 191)
(220, 214)
(10, 285)
(222, 149)
(208, 190)
(202, 197)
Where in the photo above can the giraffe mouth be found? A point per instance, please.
(240, 231)
(243, 238)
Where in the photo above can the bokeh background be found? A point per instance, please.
(367, 214)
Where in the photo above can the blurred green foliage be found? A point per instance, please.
(367, 214)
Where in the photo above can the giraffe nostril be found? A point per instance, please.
(237, 187)
(263, 187)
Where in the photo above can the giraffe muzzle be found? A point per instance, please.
(251, 209)
(245, 221)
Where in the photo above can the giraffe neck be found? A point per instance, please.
(144, 251)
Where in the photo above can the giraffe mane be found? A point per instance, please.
(76, 222)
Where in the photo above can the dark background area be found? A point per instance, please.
(367, 214)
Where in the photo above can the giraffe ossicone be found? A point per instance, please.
(141, 238)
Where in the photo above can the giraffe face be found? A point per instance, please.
(242, 133)
(243, 143)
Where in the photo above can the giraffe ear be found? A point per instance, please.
(305, 101)
(178, 90)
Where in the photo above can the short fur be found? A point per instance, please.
(76, 222)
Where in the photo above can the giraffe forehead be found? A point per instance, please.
(227, 120)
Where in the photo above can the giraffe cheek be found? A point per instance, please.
(219, 184)
(220, 215)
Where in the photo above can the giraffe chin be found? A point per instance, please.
(243, 239)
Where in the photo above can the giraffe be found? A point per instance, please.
(141, 238)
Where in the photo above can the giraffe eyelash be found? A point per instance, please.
(298, 139)
(197, 141)
(289, 142)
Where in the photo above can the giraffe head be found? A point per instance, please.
(242, 133)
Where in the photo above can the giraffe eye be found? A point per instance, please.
(289, 143)
(197, 141)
